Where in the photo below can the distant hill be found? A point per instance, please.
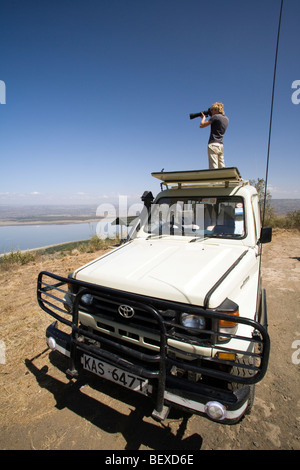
(46, 213)
(84, 212)
(283, 206)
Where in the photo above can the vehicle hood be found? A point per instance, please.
(172, 270)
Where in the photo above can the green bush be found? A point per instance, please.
(86, 246)
(17, 257)
(290, 221)
(95, 244)
(293, 220)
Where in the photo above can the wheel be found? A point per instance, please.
(243, 372)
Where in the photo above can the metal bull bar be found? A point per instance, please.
(49, 300)
(159, 374)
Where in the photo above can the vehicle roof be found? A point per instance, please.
(245, 191)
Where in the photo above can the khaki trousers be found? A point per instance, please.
(215, 156)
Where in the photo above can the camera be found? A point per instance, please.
(206, 113)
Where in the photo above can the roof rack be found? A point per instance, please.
(201, 178)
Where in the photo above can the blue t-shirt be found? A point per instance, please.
(219, 124)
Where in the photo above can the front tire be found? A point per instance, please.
(243, 372)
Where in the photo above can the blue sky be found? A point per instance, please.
(98, 94)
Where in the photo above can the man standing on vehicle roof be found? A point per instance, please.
(218, 122)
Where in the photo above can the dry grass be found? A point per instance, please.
(22, 322)
(18, 257)
(30, 398)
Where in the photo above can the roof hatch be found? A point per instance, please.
(201, 177)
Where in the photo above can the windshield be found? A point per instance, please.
(197, 216)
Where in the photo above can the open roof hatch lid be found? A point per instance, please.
(203, 177)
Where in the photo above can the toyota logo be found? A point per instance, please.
(126, 311)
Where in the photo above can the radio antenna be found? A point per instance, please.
(271, 113)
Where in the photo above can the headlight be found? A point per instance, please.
(87, 299)
(195, 322)
(68, 303)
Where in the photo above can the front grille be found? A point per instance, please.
(142, 327)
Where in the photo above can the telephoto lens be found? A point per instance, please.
(195, 115)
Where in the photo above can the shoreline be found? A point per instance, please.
(50, 249)
(55, 246)
(11, 223)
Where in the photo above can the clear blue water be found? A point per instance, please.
(26, 237)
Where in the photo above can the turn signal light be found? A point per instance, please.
(226, 323)
(226, 356)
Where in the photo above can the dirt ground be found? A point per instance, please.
(40, 409)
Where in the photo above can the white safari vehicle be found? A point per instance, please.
(177, 312)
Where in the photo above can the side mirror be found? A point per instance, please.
(265, 235)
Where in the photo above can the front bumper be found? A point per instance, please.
(193, 397)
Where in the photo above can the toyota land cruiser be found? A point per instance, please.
(177, 312)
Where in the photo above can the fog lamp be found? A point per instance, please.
(51, 343)
(215, 410)
(195, 322)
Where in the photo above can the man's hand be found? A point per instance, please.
(204, 123)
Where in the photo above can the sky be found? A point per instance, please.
(96, 94)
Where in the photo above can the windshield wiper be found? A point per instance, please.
(199, 238)
(157, 236)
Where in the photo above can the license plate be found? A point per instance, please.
(109, 372)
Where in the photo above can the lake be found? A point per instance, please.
(26, 237)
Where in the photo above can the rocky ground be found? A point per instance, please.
(40, 409)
